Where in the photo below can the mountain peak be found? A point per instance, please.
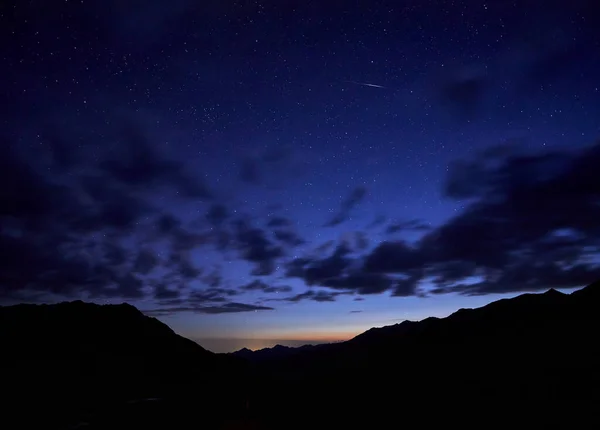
(592, 291)
(280, 347)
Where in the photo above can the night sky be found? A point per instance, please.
(261, 172)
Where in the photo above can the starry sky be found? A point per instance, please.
(261, 172)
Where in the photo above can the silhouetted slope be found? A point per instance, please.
(74, 359)
(534, 353)
(77, 329)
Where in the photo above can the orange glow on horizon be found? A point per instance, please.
(319, 336)
(301, 336)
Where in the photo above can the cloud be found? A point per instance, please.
(394, 257)
(282, 231)
(316, 271)
(316, 296)
(213, 279)
(254, 246)
(136, 163)
(361, 241)
(162, 292)
(217, 214)
(412, 225)
(227, 308)
(145, 262)
(531, 221)
(324, 247)
(79, 227)
(354, 199)
(377, 221)
(76, 226)
(211, 295)
(258, 285)
(288, 237)
(278, 221)
(360, 282)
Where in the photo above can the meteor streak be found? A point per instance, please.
(365, 84)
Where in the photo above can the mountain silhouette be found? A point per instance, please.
(77, 329)
(276, 352)
(527, 355)
(74, 358)
(528, 360)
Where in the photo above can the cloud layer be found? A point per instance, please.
(75, 225)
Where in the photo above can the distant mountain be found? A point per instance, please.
(506, 318)
(275, 353)
(520, 357)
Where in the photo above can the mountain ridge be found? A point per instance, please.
(383, 333)
(110, 361)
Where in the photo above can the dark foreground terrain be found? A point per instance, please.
(530, 361)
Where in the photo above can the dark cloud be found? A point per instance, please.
(283, 232)
(412, 225)
(145, 262)
(255, 247)
(217, 214)
(355, 312)
(227, 308)
(114, 253)
(360, 282)
(394, 257)
(167, 224)
(316, 296)
(361, 241)
(136, 163)
(213, 279)
(180, 242)
(179, 237)
(182, 264)
(532, 221)
(211, 295)
(212, 300)
(315, 271)
(265, 288)
(408, 285)
(72, 226)
(377, 221)
(325, 247)
(288, 237)
(278, 221)
(162, 292)
(354, 199)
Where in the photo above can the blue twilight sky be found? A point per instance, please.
(262, 172)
